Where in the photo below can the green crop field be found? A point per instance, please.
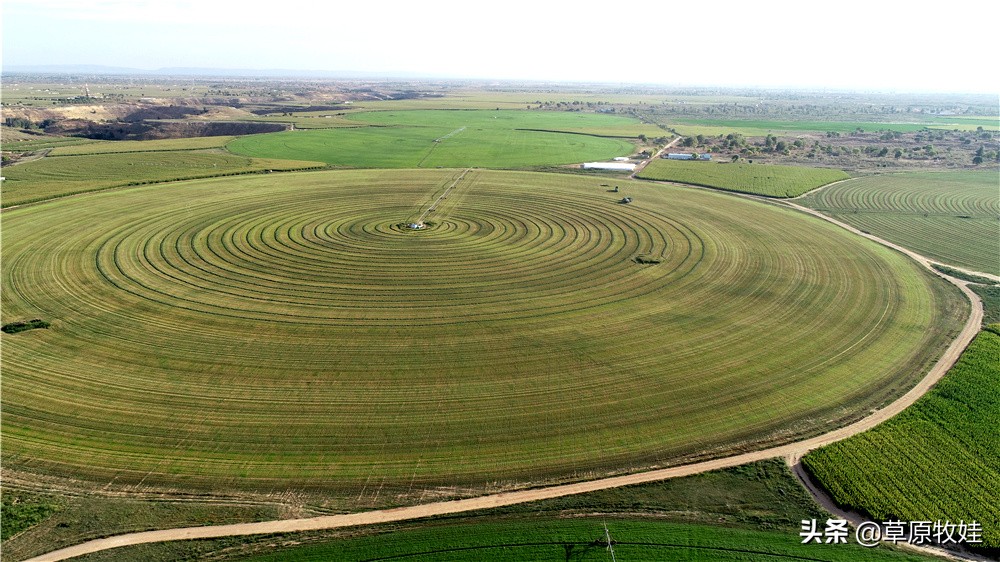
(752, 511)
(758, 179)
(165, 145)
(283, 331)
(761, 127)
(579, 539)
(558, 121)
(56, 176)
(16, 141)
(320, 120)
(937, 460)
(953, 217)
(432, 139)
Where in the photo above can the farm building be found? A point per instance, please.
(680, 156)
(621, 158)
(620, 166)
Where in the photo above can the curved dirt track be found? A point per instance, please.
(826, 502)
(791, 450)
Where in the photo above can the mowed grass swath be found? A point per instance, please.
(953, 217)
(758, 179)
(433, 139)
(278, 331)
(935, 461)
(66, 175)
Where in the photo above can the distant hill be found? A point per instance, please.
(193, 71)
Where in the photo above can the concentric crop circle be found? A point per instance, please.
(350, 261)
(289, 331)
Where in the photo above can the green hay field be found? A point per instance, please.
(164, 145)
(953, 217)
(935, 461)
(757, 179)
(561, 121)
(282, 331)
(57, 176)
(579, 539)
(433, 139)
(761, 127)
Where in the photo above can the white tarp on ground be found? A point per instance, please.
(609, 166)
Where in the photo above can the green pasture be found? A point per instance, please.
(15, 141)
(953, 217)
(510, 99)
(580, 539)
(744, 507)
(57, 176)
(938, 460)
(557, 121)
(433, 139)
(758, 179)
(321, 120)
(762, 127)
(163, 145)
(284, 331)
(35, 523)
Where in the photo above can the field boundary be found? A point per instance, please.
(821, 497)
(578, 133)
(790, 450)
(316, 166)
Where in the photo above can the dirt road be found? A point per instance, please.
(793, 450)
(826, 502)
(646, 162)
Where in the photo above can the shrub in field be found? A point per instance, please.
(21, 326)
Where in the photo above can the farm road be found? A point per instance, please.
(791, 450)
(826, 502)
(646, 162)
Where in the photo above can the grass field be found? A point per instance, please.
(511, 99)
(935, 461)
(16, 141)
(320, 120)
(758, 179)
(47, 522)
(165, 145)
(56, 176)
(432, 139)
(742, 511)
(558, 121)
(581, 539)
(953, 217)
(762, 127)
(268, 332)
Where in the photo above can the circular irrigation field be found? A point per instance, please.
(287, 331)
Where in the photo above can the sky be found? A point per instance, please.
(875, 45)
